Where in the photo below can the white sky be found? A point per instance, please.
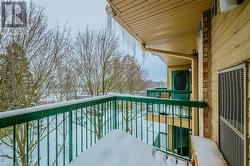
(77, 14)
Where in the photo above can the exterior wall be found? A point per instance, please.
(230, 40)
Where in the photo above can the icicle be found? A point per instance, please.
(128, 42)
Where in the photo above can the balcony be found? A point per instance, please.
(168, 93)
(57, 134)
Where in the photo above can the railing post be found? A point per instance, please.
(127, 116)
(70, 137)
(115, 115)
(14, 145)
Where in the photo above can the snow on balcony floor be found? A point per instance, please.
(120, 148)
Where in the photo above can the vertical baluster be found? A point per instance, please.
(117, 110)
(48, 142)
(86, 125)
(100, 126)
(173, 133)
(64, 139)
(131, 117)
(136, 119)
(14, 145)
(76, 139)
(166, 126)
(102, 120)
(105, 119)
(90, 125)
(189, 133)
(27, 143)
(38, 142)
(159, 124)
(81, 130)
(95, 125)
(70, 136)
(153, 122)
(181, 128)
(127, 116)
(141, 123)
(56, 141)
(107, 114)
(110, 116)
(147, 120)
(113, 114)
(122, 114)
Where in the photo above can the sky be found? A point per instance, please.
(78, 14)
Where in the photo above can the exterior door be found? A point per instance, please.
(180, 82)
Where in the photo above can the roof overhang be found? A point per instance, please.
(168, 25)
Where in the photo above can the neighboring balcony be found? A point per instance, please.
(169, 93)
(59, 133)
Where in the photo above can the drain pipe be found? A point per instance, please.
(170, 53)
(194, 61)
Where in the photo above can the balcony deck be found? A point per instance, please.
(120, 148)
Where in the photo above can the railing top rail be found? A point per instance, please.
(168, 90)
(157, 88)
(19, 116)
(175, 102)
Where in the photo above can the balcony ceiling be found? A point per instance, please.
(161, 24)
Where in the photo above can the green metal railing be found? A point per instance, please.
(56, 134)
(167, 93)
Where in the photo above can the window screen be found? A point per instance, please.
(232, 114)
(180, 81)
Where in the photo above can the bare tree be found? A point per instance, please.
(97, 52)
(64, 84)
(85, 61)
(133, 77)
(108, 53)
(28, 64)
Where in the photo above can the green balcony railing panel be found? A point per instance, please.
(56, 134)
(167, 93)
